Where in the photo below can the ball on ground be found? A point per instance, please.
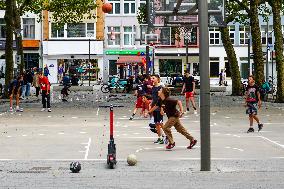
(131, 160)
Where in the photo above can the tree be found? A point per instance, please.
(277, 7)
(252, 11)
(63, 11)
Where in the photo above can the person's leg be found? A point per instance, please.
(43, 99)
(11, 102)
(251, 120)
(17, 100)
(133, 114)
(27, 93)
(192, 102)
(187, 101)
(167, 130)
(178, 126)
(23, 91)
(48, 100)
(255, 118)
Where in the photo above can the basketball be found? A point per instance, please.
(107, 8)
(131, 160)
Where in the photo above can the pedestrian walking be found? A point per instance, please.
(36, 83)
(60, 73)
(253, 103)
(188, 89)
(45, 92)
(46, 71)
(23, 86)
(168, 106)
(15, 91)
(29, 79)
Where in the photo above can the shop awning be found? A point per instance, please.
(133, 60)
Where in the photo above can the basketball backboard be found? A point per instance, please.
(158, 35)
(183, 12)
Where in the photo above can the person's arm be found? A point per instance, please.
(183, 87)
(193, 88)
(153, 109)
(162, 112)
(259, 100)
(47, 86)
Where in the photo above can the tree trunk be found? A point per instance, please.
(256, 42)
(18, 37)
(276, 9)
(232, 58)
(9, 45)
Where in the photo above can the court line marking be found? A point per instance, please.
(88, 148)
(98, 111)
(274, 142)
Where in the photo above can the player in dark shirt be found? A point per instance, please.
(253, 103)
(168, 106)
(139, 92)
(189, 89)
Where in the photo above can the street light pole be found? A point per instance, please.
(204, 86)
(89, 61)
(267, 50)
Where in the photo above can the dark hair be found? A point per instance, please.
(251, 76)
(156, 75)
(40, 73)
(166, 91)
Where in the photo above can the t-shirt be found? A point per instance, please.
(252, 93)
(44, 83)
(140, 90)
(145, 86)
(155, 96)
(188, 81)
(170, 107)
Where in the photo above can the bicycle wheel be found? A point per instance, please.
(105, 88)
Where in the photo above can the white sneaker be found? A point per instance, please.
(19, 110)
(195, 112)
(48, 109)
(42, 110)
(11, 109)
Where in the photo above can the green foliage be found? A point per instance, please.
(142, 14)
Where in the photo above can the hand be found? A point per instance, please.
(180, 115)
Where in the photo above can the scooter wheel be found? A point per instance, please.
(105, 89)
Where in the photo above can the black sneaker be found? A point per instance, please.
(131, 118)
(250, 130)
(260, 126)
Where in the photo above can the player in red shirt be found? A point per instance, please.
(45, 92)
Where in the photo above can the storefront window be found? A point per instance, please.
(112, 67)
(170, 67)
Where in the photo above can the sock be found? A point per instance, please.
(133, 115)
(187, 109)
(17, 107)
(250, 126)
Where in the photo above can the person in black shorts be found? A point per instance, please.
(15, 91)
(189, 89)
(158, 118)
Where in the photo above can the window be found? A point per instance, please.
(56, 32)
(29, 28)
(192, 37)
(214, 67)
(90, 29)
(214, 36)
(76, 30)
(112, 67)
(168, 67)
(129, 7)
(113, 35)
(2, 28)
(232, 34)
(142, 3)
(128, 36)
(244, 34)
(115, 6)
(264, 34)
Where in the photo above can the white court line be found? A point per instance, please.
(98, 111)
(74, 117)
(87, 149)
(276, 143)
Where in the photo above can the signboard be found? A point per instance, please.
(124, 52)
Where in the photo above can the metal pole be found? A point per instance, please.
(250, 68)
(186, 52)
(204, 86)
(267, 51)
(272, 74)
(89, 61)
(147, 59)
(153, 57)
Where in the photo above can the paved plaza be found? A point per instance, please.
(37, 147)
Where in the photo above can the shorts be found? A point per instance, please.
(189, 94)
(251, 108)
(15, 93)
(139, 102)
(158, 118)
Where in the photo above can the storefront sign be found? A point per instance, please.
(124, 52)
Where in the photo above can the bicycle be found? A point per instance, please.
(114, 83)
